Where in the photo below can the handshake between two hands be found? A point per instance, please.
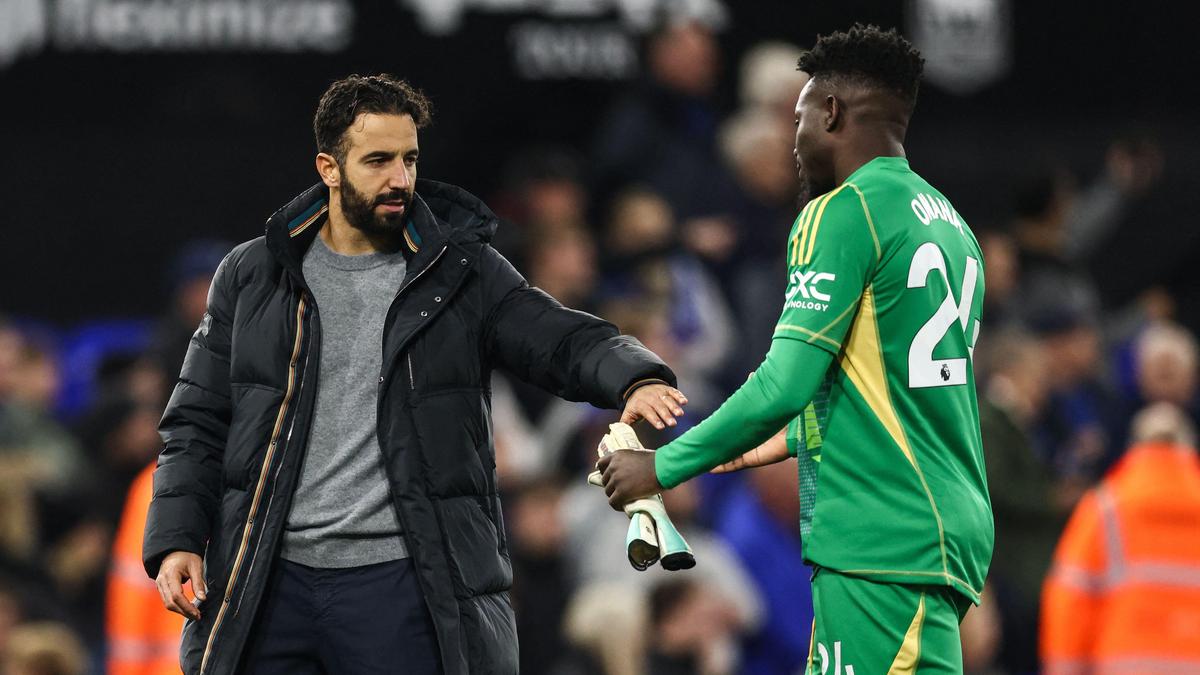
(626, 471)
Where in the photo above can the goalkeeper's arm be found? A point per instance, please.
(778, 392)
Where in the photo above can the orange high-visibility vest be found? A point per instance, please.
(143, 637)
(1123, 595)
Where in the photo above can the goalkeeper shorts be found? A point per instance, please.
(865, 627)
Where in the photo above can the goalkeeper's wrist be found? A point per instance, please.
(664, 481)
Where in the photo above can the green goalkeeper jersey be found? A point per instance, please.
(886, 276)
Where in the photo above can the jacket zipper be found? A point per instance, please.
(418, 275)
(287, 441)
(258, 490)
(412, 388)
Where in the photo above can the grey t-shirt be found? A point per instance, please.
(342, 513)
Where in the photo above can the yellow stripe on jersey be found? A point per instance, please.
(811, 335)
(802, 235)
(812, 207)
(816, 225)
(910, 650)
(862, 359)
(870, 223)
(795, 243)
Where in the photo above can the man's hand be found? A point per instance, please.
(657, 403)
(773, 450)
(628, 475)
(177, 568)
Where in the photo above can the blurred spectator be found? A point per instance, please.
(1124, 593)
(562, 262)
(10, 355)
(758, 147)
(645, 260)
(1029, 503)
(33, 445)
(191, 273)
(26, 590)
(138, 377)
(607, 624)
(18, 523)
(662, 135)
(541, 581)
(694, 630)
(535, 434)
(769, 80)
(1160, 364)
(43, 649)
(10, 616)
(122, 436)
(761, 522)
(142, 636)
(1001, 308)
(1167, 366)
(1058, 227)
(77, 529)
(679, 627)
(1078, 425)
(543, 188)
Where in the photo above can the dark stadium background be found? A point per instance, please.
(112, 159)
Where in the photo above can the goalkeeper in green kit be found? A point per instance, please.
(869, 375)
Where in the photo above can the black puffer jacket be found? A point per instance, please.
(236, 426)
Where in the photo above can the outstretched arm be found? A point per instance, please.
(779, 391)
(571, 354)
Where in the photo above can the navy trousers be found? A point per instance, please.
(367, 620)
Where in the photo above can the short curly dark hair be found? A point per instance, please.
(868, 55)
(350, 96)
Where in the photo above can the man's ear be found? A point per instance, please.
(328, 170)
(834, 112)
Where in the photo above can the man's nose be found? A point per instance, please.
(400, 178)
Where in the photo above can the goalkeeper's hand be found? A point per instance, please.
(773, 450)
(628, 475)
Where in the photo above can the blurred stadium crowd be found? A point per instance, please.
(671, 225)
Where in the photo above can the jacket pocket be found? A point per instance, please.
(254, 412)
(472, 548)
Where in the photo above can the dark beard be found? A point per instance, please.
(803, 194)
(809, 189)
(360, 211)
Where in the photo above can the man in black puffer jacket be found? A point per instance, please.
(328, 481)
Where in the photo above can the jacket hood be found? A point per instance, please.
(468, 218)
(441, 213)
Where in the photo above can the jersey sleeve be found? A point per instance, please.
(832, 253)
